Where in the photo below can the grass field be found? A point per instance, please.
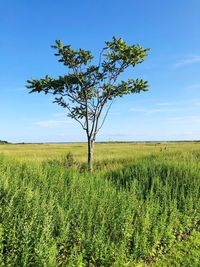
(114, 152)
(140, 206)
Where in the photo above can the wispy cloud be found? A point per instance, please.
(155, 110)
(193, 87)
(52, 123)
(187, 61)
(191, 105)
(166, 104)
(59, 115)
(184, 120)
(145, 110)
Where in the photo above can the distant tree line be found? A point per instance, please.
(4, 142)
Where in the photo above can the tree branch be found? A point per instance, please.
(73, 117)
(105, 116)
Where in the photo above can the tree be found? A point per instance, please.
(87, 90)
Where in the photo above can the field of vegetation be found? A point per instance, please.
(139, 207)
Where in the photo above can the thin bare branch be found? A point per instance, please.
(100, 56)
(105, 116)
(73, 117)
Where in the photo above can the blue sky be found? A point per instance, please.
(170, 110)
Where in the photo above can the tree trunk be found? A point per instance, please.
(90, 154)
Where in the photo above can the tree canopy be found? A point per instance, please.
(88, 88)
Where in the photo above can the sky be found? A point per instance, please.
(170, 110)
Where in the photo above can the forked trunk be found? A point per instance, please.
(90, 154)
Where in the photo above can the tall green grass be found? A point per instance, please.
(51, 215)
